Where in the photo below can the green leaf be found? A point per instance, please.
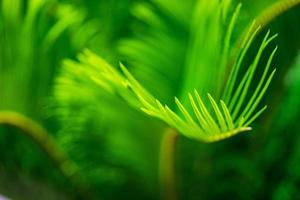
(207, 120)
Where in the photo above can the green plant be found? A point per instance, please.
(205, 67)
(201, 67)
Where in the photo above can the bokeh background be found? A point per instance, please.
(112, 148)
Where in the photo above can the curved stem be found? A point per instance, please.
(41, 137)
(167, 165)
(269, 14)
(275, 10)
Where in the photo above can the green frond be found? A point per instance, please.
(208, 123)
(206, 119)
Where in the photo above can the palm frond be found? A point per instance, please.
(223, 121)
(206, 119)
(212, 122)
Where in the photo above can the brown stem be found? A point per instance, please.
(167, 165)
(43, 139)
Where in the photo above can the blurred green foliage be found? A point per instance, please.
(115, 147)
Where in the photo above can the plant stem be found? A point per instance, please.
(269, 14)
(275, 10)
(43, 139)
(167, 165)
